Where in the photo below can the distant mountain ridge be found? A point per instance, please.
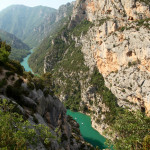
(32, 24)
(13, 40)
(27, 23)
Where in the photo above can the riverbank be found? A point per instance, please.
(87, 131)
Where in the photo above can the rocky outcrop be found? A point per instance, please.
(41, 108)
(64, 11)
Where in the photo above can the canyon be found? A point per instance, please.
(98, 55)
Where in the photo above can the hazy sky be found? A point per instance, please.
(49, 3)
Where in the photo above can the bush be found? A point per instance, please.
(28, 75)
(30, 85)
(108, 98)
(46, 93)
(16, 133)
(15, 66)
(1, 70)
(18, 83)
(14, 92)
(132, 130)
(83, 27)
(8, 74)
(3, 55)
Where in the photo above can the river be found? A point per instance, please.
(25, 62)
(88, 133)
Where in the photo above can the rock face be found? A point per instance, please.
(118, 44)
(39, 108)
(64, 11)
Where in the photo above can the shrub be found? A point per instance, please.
(108, 98)
(15, 66)
(46, 92)
(122, 29)
(10, 73)
(18, 83)
(132, 130)
(16, 133)
(4, 52)
(28, 75)
(14, 92)
(30, 85)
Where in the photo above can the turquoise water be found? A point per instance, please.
(25, 62)
(88, 133)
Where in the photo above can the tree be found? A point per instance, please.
(131, 130)
(4, 51)
(16, 133)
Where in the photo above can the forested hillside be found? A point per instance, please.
(19, 49)
(63, 15)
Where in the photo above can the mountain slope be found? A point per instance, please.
(63, 15)
(31, 112)
(27, 23)
(100, 68)
(19, 49)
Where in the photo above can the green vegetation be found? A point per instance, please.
(17, 133)
(8, 74)
(40, 52)
(58, 49)
(144, 22)
(18, 54)
(102, 21)
(3, 82)
(70, 59)
(83, 27)
(12, 65)
(4, 52)
(139, 23)
(15, 90)
(133, 63)
(19, 49)
(132, 128)
(108, 98)
(145, 1)
(71, 63)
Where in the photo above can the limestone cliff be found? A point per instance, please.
(117, 43)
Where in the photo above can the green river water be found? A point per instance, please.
(89, 134)
(25, 62)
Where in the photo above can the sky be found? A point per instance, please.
(32, 3)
